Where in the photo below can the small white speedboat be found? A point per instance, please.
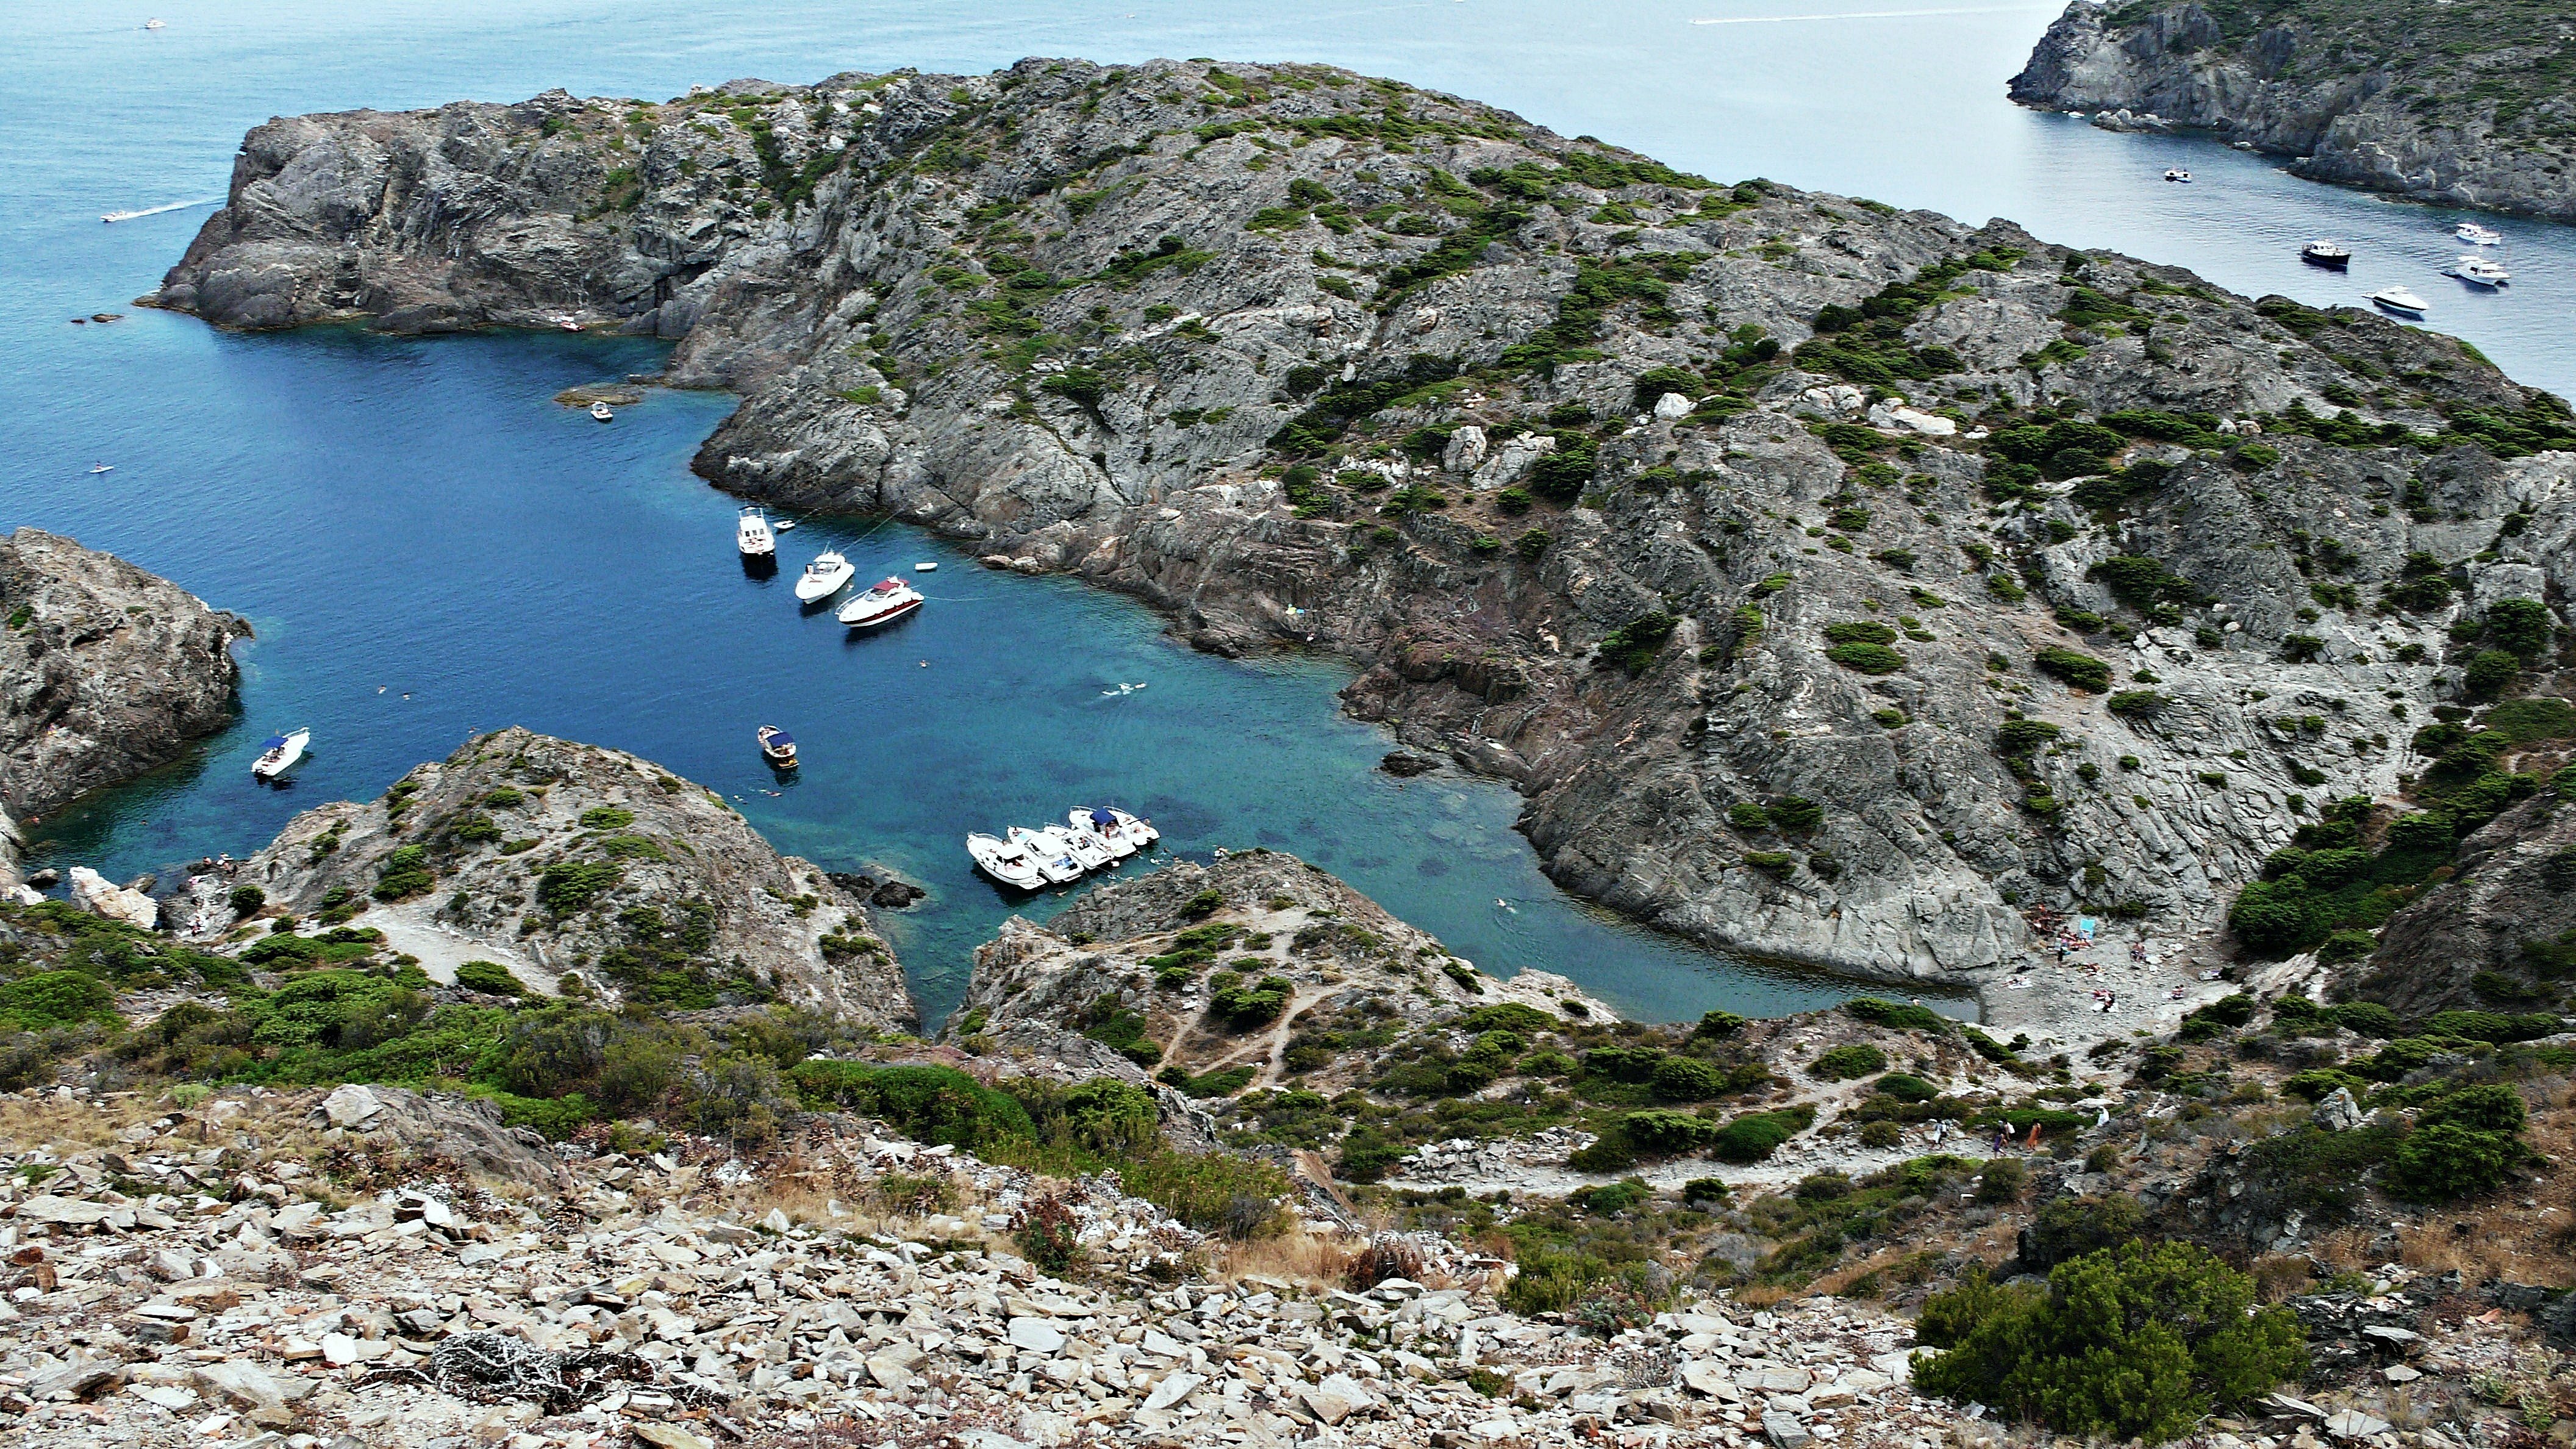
(777, 747)
(600, 411)
(786, 525)
(1004, 862)
(2479, 236)
(827, 575)
(2178, 174)
(751, 533)
(96, 468)
(1140, 833)
(2479, 272)
(1048, 848)
(887, 601)
(925, 568)
(278, 753)
(1088, 850)
(1102, 826)
(2399, 300)
(156, 24)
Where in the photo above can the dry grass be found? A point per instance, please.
(1300, 1256)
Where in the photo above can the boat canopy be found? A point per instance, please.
(781, 737)
(1103, 818)
(273, 742)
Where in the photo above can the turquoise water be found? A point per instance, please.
(429, 546)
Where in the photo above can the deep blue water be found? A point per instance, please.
(417, 518)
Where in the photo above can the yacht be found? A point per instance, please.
(2326, 254)
(1004, 862)
(2479, 236)
(600, 411)
(751, 533)
(1101, 826)
(2479, 272)
(777, 747)
(1047, 847)
(827, 575)
(889, 600)
(2399, 300)
(1088, 850)
(2178, 174)
(1139, 833)
(278, 753)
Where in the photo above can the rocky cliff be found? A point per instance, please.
(2463, 105)
(105, 672)
(1837, 583)
(2501, 936)
(558, 860)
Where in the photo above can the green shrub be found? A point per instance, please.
(489, 976)
(1687, 1079)
(246, 900)
(404, 873)
(606, 817)
(2446, 1161)
(1718, 1024)
(50, 1000)
(1897, 1016)
(1745, 815)
(1905, 1087)
(1866, 658)
(1861, 631)
(568, 885)
(1632, 646)
(2489, 670)
(1665, 1133)
(927, 1104)
(2138, 703)
(1244, 1007)
(2131, 1342)
(2080, 671)
(1613, 1198)
(1755, 1135)
(2072, 1227)
(1843, 1063)
(1212, 1192)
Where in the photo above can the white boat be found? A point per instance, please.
(600, 411)
(2479, 272)
(925, 568)
(278, 753)
(751, 533)
(1102, 826)
(786, 525)
(827, 575)
(102, 467)
(882, 604)
(1088, 850)
(1139, 833)
(1004, 862)
(1047, 847)
(156, 24)
(2178, 174)
(2479, 236)
(2398, 299)
(777, 747)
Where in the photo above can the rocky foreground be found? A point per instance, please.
(2465, 105)
(1837, 583)
(105, 672)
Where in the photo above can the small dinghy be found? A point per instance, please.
(2327, 254)
(1004, 862)
(925, 568)
(1139, 833)
(827, 575)
(2479, 236)
(752, 535)
(1048, 848)
(786, 525)
(2400, 301)
(1102, 826)
(278, 753)
(777, 747)
(601, 411)
(889, 600)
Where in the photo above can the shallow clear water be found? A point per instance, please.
(417, 517)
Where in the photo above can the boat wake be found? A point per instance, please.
(1124, 689)
(116, 216)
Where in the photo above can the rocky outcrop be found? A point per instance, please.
(1734, 525)
(2460, 106)
(596, 864)
(2501, 936)
(105, 672)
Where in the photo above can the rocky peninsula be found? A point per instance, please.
(2459, 105)
(105, 672)
(1837, 583)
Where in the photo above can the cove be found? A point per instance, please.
(429, 547)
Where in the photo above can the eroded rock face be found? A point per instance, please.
(2359, 98)
(598, 863)
(1370, 369)
(2507, 922)
(105, 672)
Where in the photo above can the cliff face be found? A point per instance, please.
(1788, 552)
(2466, 105)
(555, 858)
(2499, 937)
(105, 672)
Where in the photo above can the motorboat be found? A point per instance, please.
(1139, 833)
(827, 575)
(1102, 826)
(925, 568)
(278, 753)
(2479, 236)
(752, 535)
(2399, 300)
(1004, 862)
(2326, 254)
(1088, 850)
(156, 24)
(786, 525)
(777, 747)
(2479, 272)
(1048, 848)
(601, 411)
(887, 601)
(2178, 174)
(97, 468)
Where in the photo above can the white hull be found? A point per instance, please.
(1089, 851)
(282, 758)
(880, 605)
(1047, 848)
(1004, 862)
(826, 576)
(2400, 301)
(1139, 832)
(751, 534)
(1113, 839)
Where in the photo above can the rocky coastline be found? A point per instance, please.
(2373, 97)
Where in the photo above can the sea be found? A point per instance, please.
(429, 546)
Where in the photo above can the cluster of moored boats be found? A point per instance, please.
(831, 572)
(2477, 271)
(1092, 837)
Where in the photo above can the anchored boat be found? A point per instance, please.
(2479, 272)
(2400, 301)
(777, 747)
(887, 601)
(1099, 826)
(751, 533)
(1054, 856)
(1004, 862)
(2479, 236)
(2326, 254)
(827, 575)
(278, 753)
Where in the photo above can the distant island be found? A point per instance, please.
(2457, 104)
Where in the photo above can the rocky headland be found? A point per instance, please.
(579, 870)
(105, 672)
(1837, 583)
(2459, 105)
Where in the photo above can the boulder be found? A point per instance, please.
(99, 896)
